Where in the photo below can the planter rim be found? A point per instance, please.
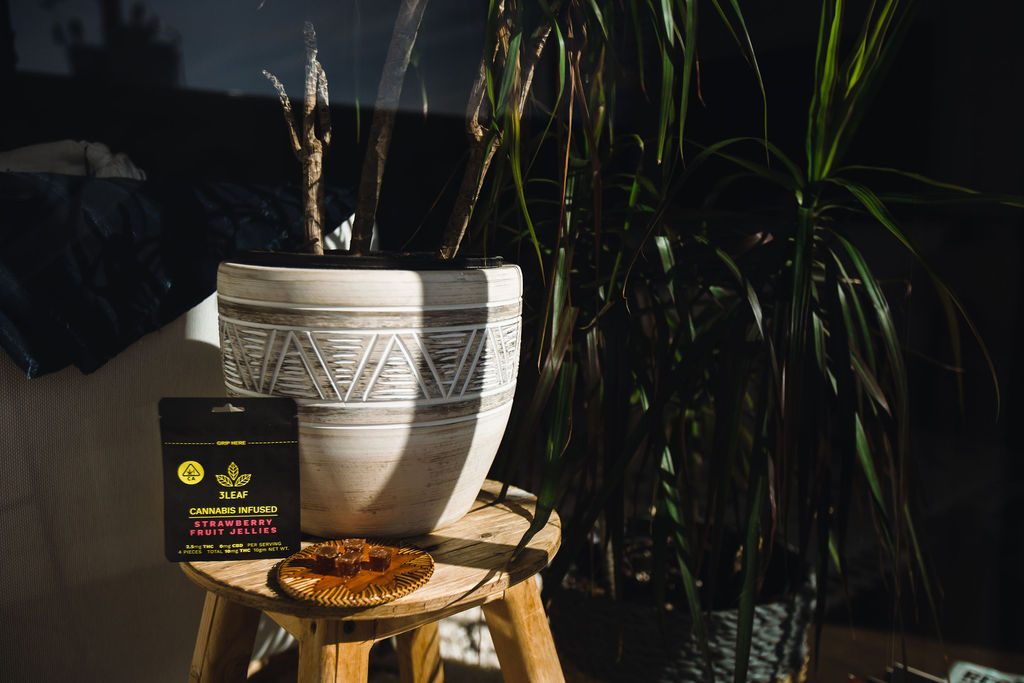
(342, 260)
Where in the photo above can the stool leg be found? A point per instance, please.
(224, 643)
(419, 655)
(326, 654)
(522, 637)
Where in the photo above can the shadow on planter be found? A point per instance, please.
(404, 375)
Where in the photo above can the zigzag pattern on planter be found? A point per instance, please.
(359, 366)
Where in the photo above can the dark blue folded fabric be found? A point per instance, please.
(89, 265)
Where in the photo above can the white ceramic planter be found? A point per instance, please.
(404, 381)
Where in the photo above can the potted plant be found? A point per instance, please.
(708, 371)
(403, 365)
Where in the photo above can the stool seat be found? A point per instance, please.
(472, 566)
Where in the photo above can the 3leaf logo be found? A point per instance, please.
(233, 479)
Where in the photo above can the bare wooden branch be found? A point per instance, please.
(323, 104)
(312, 77)
(484, 141)
(480, 155)
(479, 108)
(309, 148)
(312, 162)
(538, 42)
(286, 105)
(389, 91)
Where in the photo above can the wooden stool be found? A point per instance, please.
(472, 567)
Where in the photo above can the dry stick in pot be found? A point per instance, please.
(407, 26)
(309, 148)
(484, 139)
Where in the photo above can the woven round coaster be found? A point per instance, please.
(410, 568)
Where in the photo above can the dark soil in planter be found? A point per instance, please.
(336, 259)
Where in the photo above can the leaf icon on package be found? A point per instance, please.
(233, 479)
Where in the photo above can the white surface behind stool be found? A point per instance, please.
(85, 592)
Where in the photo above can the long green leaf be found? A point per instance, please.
(922, 569)
(799, 309)
(870, 201)
(549, 374)
(810, 140)
(858, 331)
(515, 161)
(556, 443)
(753, 301)
(868, 466)
(751, 552)
(668, 21)
(890, 340)
(747, 45)
(825, 79)
(672, 506)
(868, 381)
(883, 32)
(510, 72)
(599, 16)
(1007, 200)
(689, 59)
(843, 343)
(666, 110)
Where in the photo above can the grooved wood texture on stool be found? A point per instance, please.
(522, 637)
(419, 653)
(224, 643)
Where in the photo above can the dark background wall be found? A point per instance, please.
(951, 108)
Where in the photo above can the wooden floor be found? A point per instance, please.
(867, 652)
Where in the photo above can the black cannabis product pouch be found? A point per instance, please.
(231, 478)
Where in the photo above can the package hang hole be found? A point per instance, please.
(227, 408)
